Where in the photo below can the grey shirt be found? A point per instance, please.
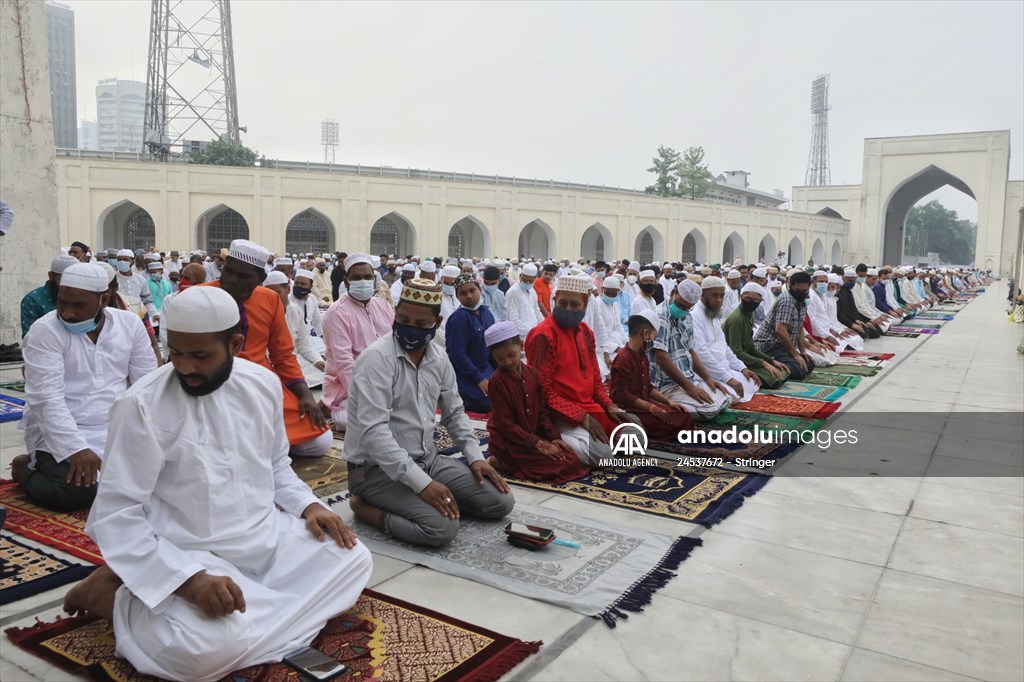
(391, 408)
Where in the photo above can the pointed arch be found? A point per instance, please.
(309, 231)
(537, 240)
(649, 246)
(732, 249)
(905, 196)
(393, 234)
(596, 243)
(767, 250)
(126, 225)
(469, 238)
(695, 247)
(218, 227)
(818, 252)
(830, 212)
(795, 251)
(837, 253)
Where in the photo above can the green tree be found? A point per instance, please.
(694, 176)
(224, 153)
(666, 171)
(933, 228)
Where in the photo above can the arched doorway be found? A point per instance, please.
(537, 240)
(818, 252)
(795, 252)
(830, 212)
(732, 249)
(837, 253)
(309, 231)
(767, 251)
(126, 225)
(596, 243)
(392, 234)
(695, 247)
(903, 199)
(649, 246)
(468, 238)
(220, 226)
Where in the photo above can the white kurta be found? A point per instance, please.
(731, 301)
(308, 349)
(311, 312)
(522, 309)
(449, 304)
(138, 286)
(864, 299)
(173, 266)
(608, 333)
(194, 490)
(642, 303)
(71, 382)
(721, 363)
(832, 306)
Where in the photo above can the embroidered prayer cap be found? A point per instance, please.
(499, 332)
(694, 277)
(422, 292)
(155, 266)
(248, 252)
(465, 278)
(452, 271)
(428, 266)
(711, 282)
(611, 282)
(111, 253)
(409, 267)
(752, 288)
(530, 270)
(85, 276)
(646, 273)
(575, 284)
(651, 317)
(357, 258)
(833, 278)
(872, 272)
(275, 277)
(759, 273)
(282, 261)
(62, 263)
(151, 256)
(689, 290)
(304, 273)
(733, 274)
(202, 310)
(849, 272)
(111, 272)
(772, 269)
(705, 271)
(126, 253)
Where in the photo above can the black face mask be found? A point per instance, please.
(301, 292)
(648, 288)
(749, 306)
(800, 296)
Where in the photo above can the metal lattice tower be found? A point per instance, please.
(818, 171)
(190, 79)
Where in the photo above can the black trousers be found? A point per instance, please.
(779, 352)
(46, 485)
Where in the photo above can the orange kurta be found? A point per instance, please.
(543, 291)
(268, 342)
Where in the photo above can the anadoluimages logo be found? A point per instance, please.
(629, 440)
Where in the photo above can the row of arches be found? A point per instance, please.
(130, 226)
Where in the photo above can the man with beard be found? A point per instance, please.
(322, 283)
(712, 348)
(78, 359)
(268, 342)
(217, 556)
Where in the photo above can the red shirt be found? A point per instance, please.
(567, 362)
(630, 380)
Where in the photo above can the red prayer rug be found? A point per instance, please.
(62, 530)
(866, 354)
(794, 407)
(380, 638)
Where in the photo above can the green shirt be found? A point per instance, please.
(37, 303)
(739, 334)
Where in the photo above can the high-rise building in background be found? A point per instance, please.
(120, 114)
(87, 135)
(60, 34)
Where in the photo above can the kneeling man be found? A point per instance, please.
(217, 554)
(398, 481)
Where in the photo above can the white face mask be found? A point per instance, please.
(631, 279)
(361, 289)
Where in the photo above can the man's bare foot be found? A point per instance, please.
(19, 465)
(94, 595)
(496, 465)
(366, 512)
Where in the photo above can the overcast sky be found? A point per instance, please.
(585, 92)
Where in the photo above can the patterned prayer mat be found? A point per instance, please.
(794, 407)
(850, 370)
(923, 324)
(946, 317)
(442, 439)
(704, 495)
(881, 357)
(901, 335)
(822, 377)
(25, 571)
(18, 385)
(904, 329)
(327, 475)
(11, 409)
(64, 531)
(807, 391)
(764, 420)
(381, 638)
(614, 570)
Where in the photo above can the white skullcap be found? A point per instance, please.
(651, 317)
(318, 261)
(647, 273)
(62, 263)
(776, 284)
(689, 290)
(752, 288)
(282, 261)
(325, 256)
(833, 278)
(155, 266)
(275, 277)
(819, 273)
(428, 266)
(634, 265)
(111, 272)
(711, 282)
(793, 271)
(500, 331)
(409, 267)
(733, 274)
(375, 262)
(611, 282)
(452, 271)
(85, 276)
(357, 258)
(202, 310)
(872, 272)
(151, 256)
(249, 252)
(849, 272)
(303, 273)
(530, 270)
(760, 273)
(575, 284)
(126, 253)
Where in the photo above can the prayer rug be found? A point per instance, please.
(939, 317)
(822, 377)
(902, 334)
(11, 409)
(704, 495)
(25, 571)
(882, 357)
(923, 324)
(850, 370)
(860, 361)
(327, 475)
(907, 329)
(64, 531)
(764, 420)
(807, 391)
(794, 407)
(14, 385)
(381, 638)
(614, 570)
(442, 439)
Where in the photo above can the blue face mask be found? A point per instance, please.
(862, 280)
(676, 312)
(568, 319)
(821, 287)
(526, 287)
(490, 287)
(83, 327)
(123, 266)
(601, 274)
(830, 294)
(156, 276)
(608, 299)
(448, 289)
(412, 338)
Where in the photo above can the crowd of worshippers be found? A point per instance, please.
(169, 397)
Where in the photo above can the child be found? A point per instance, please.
(464, 343)
(631, 387)
(524, 442)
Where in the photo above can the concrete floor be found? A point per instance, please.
(881, 566)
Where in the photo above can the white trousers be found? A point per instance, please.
(826, 358)
(699, 411)
(748, 386)
(340, 416)
(316, 447)
(304, 584)
(578, 439)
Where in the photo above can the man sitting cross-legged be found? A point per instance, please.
(398, 481)
(218, 556)
(78, 360)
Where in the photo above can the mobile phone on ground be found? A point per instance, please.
(531, 533)
(316, 664)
